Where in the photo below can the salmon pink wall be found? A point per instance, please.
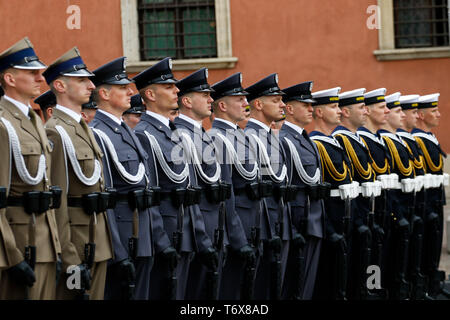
(326, 41)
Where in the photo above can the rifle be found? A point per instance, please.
(219, 233)
(33, 203)
(276, 244)
(137, 201)
(248, 281)
(180, 197)
(418, 280)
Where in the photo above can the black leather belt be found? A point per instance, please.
(37, 201)
(186, 196)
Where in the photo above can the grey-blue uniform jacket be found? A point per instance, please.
(241, 211)
(236, 238)
(272, 143)
(309, 156)
(195, 237)
(130, 153)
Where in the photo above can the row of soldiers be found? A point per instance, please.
(165, 210)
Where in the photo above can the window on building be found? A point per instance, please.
(181, 29)
(421, 23)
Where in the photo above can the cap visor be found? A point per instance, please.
(241, 93)
(167, 81)
(32, 65)
(203, 90)
(307, 100)
(121, 81)
(275, 93)
(79, 73)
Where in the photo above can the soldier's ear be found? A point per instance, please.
(9, 79)
(186, 101)
(103, 93)
(258, 104)
(84, 116)
(150, 94)
(289, 109)
(318, 112)
(59, 85)
(222, 106)
(421, 115)
(49, 112)
(345, 112)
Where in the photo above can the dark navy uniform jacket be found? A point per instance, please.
(130, 153)
(334, 206)
(381, 163)
(234, 235)
(401, 199)
(377, 150)
(362, 155)
(309, 155)
(277, 159)
(194, 234)
(435, 152)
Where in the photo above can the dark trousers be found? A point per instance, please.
(114, 287)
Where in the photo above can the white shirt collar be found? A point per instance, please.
(159, 117)
(294, 126)
(198, 124)
(233, 125)
(22, 107)
(260, 124)
(113, 117)
(69, 112)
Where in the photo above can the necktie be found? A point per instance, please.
(305, 135)
(89, 133)
(85, 127)
(40, 130)
(172, 126)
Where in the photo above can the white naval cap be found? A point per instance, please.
(326, 96)
(429, 101)
(351, 97)
(409, 101)
(375, 96)
(392, 100)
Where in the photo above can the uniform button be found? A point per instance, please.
(118, 217)
(128, 156)
(116, 129)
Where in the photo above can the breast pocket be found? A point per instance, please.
(85, 157)
(129, 159)
(31, 153)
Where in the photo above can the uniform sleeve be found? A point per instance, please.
(69, 254)
(160, 238)
(11, 254)
(235, 230)
(120, 252)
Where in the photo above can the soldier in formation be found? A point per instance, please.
(145, 204)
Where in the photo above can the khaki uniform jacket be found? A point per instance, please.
(14, 221)
(73, 223)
